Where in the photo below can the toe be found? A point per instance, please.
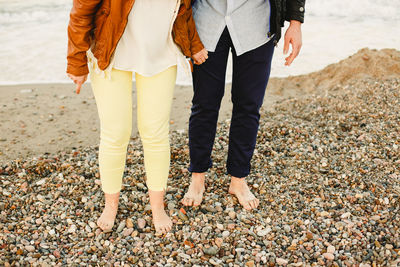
(254, 204)
(196, 203)
(189, 202)
(184, 201)
(246, 205)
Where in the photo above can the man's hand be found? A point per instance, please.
(292, 36)
(200, 57)
(78, 80)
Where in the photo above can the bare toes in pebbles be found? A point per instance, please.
(194, 195)
(162, 222)
(246, 198)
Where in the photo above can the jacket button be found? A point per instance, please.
(301, 9)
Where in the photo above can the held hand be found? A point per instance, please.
(78, 80)
(292, 36)
(200, 57)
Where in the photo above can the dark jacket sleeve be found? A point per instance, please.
(79, 28)
(295, 10)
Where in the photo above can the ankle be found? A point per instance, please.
(156, 200)
(198, 177)
(111, 200)
(237, 181)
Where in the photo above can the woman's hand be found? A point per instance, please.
(200, 57)
(78, 80)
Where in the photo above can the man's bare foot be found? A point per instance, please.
(107, 218)
(194, 195)
(162, 222)
(239, 188)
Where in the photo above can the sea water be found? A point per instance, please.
(33, 37)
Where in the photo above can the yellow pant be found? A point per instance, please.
(114, 103)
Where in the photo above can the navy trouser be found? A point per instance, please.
(250, 77)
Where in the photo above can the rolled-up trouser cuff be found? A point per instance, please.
(238, 172)
(199, 169)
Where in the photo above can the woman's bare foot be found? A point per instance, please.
(107, 218)
(162, 222)
(194, 195)
(239, 188)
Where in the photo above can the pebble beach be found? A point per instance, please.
(326, 170)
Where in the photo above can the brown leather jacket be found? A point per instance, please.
(99, 24)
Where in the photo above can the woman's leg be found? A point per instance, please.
(114, 104)
(154, 100)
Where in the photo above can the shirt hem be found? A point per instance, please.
(243, 51)
(146, 74)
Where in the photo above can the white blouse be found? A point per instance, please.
(146, 46)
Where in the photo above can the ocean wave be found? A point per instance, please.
(355, 9)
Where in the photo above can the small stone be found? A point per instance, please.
(30, 248)
(72, 229)
(225, 234)
(264, 232)
(250, 264)
(329, 256)
(375, 217)
(182, 216)
(324, 213)
(40, 182)
(345, 215)
(171, 205)
(121, 226)
(218, 241)
(309, 235)
(232, 214)
(141, 223)
(286, 228)
(92, 225)
(127, 231)
(212, 251)
(330, 249)
(281, 261)
(220, 226)
(129, 223)
(56, 253)
(389, 246)
(39, 221)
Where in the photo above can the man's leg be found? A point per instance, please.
(209, 87)
(250, 77)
